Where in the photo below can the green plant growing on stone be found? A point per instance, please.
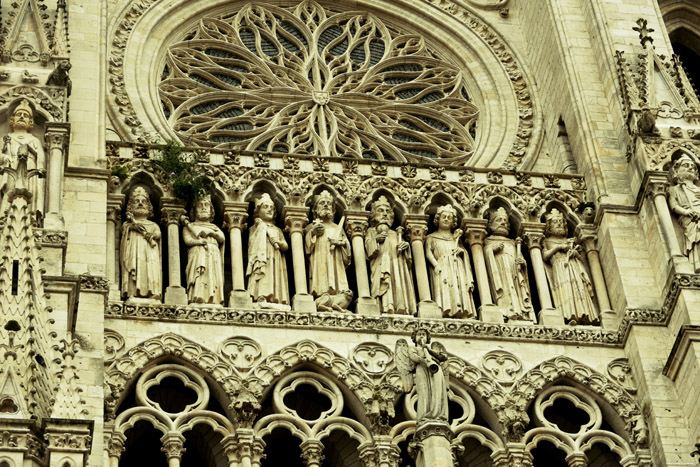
(119, 171)
(181, 172)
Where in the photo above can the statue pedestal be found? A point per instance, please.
(551, 317)
(367, 306)
(608, 320)
(491, 314)
(431, 445)
(54, 221)
(175, 295)
(303, 302)
(240, 299)
(429, 309)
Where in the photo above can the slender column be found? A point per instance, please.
(250, 448)
(432, 445)
(115, 449)
(312, 453)
(476, 233)
(235, 216)
(173, 447)
(657, 189)
(56, 138)
(171, 212)
(296, 218)
(230, 445)
(588, 239)
(356, 228)
(534, 238)
(114, 214)
(417, 227)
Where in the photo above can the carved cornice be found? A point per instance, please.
(582, 335)
(90, 283)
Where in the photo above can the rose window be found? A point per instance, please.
(307, 80)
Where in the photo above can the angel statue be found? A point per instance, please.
(426, 367)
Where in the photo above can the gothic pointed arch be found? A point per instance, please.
(122, 373)
(565, 369)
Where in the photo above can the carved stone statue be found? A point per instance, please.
(140, 250)
(425, 366)
(451, 276)
(20, 141)
(267, 266)
(567, 273)
(684, 200)
(390, 262)
(205, 270)
(507, 269)
(329, 255)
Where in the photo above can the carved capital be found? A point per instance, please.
(475, 231)
(657, 186)
(236, 215)
(173, 445)
(416, 227)
(577, 459)
(116, 445)
(295, 218)
(230, 445)
(114, 213)
(383, 452)
(532, 233)
(172, 214)
(56, 135)
(312, 452)
(587, 237)
(356, 224)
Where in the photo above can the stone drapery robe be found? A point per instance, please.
(36, 160)
(205, 270)
(571, 285)
(452, 280)
(432, 384)
(141, 260)
(684, 197)
(391, 280)
(267, 266)
(508, 279)
(327, 263)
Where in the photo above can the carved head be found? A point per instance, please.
(203, 209)
(498, 222)
(555, 224)
(446, 217)
(324, 207)
(420, 336)
(22, 117)
(684, 169)
(264, 208)
(139, 205)
(382, 213)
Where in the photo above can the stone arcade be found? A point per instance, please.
(391, 233)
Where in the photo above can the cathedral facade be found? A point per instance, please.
(319, 233)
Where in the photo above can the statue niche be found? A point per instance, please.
(21, 143)
(205, 265)
(267, 266)
(140, 250)
(507, 269)
(567, 273)
(450, 272)
(684, 200)
(329, 255)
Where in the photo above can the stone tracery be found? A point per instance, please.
(311, 80)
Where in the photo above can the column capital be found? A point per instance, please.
(577, 459)
(356, 223)
(114, 213)
(381, 452)
(296, 218)
(56, 135)
(656, 185)
(171, 211)
(312, 452)
(173, 445)
(116, 445)
(230, 445)
(532, 233)
(235, 215)
(416, 226)
(587, 236)
(475, 230)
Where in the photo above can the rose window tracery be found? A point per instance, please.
(308, 80)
